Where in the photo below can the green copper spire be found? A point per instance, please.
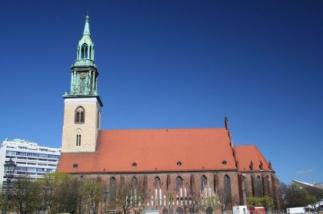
(85, 47)
(84, 72)
(86, 30)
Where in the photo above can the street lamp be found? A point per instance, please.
(9, 170)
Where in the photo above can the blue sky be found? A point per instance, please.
(174, 64)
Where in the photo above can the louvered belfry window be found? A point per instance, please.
(79, 115)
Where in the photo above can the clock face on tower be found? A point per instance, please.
(83, 83)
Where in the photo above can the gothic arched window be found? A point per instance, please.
(192, 184)
(215, 183)
(266, 185)
(179, 183)
(167, 182)
(258, 187)
(227, 192)
(79, 115)
(113, 188)
(203, 182)
(134, 182)
(84, 51)
(157, 183)
(90, 55)
(157, 191)
(134, 186)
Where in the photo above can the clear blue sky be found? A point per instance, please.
(171, 64)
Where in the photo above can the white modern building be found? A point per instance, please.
(31, 159)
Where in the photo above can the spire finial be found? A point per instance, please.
(87, 25)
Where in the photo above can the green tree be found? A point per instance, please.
(59, 193)
(91, 195)
(297, 195)
(208, 202)
(265, 201)
(129, 196)
(67, 195)
(49, 186)
(26, 196)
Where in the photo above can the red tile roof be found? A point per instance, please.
(249, 153)
(154, 150)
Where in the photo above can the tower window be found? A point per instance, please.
(78, 140)
(79, 115)
(90, 50)
(84, 51)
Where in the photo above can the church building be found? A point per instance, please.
(175, 166)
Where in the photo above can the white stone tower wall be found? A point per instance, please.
(88, 129)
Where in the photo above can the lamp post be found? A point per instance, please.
(9, 170)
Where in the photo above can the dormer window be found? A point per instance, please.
(79, 115)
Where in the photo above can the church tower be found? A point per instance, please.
(82, 104)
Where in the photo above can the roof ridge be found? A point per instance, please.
(163, 129)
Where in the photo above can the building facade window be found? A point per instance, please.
(79, 115)
(31, 159)
(134, 183)
(266, 185)
(167, 182)
(113, 188)
(179, 183)
(192, 184)
(215, 183)
(134, 187)
(258, 187)
(157, 191)
(157, 183)
(203, 183)
(227, 192)
(78, 139)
